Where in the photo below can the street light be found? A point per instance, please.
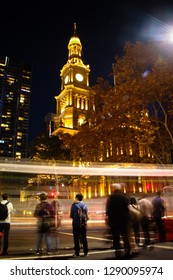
(170, 36)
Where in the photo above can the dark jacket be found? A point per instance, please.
(44, 205)
(158, 207)
(45, 214)
(117, 209)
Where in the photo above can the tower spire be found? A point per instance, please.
(74, 28)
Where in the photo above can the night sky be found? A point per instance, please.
(40, 35)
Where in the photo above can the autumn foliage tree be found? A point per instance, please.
(145, 72)
(110, 134)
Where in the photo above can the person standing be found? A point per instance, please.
(55, 225)
(159, 210)
(118, 219)
(79, 216)
(44, 212)
(135, 219)
(146, 210)
(5, 225)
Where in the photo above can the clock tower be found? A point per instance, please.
(75, 102)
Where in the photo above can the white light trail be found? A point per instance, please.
(149, 170)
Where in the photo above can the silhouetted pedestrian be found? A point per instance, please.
(118, 219)
(159, 210)
(55, 224)
(44, 212)
(135, 219)
(79, 216)
(146, 209)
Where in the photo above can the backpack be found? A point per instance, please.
(44, 220)
(82, 213)
(3, 211)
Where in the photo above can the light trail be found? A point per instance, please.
(107, 169)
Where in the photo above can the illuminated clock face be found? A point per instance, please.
(79, 77)
(66, 79)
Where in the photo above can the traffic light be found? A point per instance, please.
(148, 187)
(52, 194)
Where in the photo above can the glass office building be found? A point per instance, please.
(15, 92)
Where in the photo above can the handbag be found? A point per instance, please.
(135, 213)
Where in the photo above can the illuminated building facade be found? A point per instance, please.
(15, 91)
(75, 102)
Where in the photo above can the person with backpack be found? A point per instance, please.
(44, 212)
(6, 208)
(79, 216)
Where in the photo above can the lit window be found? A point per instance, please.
(22, 98)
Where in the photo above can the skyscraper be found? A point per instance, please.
(15, 92)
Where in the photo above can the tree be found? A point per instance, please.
(110, 131)
(145, 72)
(48, 148)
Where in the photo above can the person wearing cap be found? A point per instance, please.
(118, 218)
(44, 212)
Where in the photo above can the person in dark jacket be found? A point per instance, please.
(159, 209)
(118, 219)
(79, 216)
(44, 212)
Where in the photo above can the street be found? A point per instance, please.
(23, 239)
